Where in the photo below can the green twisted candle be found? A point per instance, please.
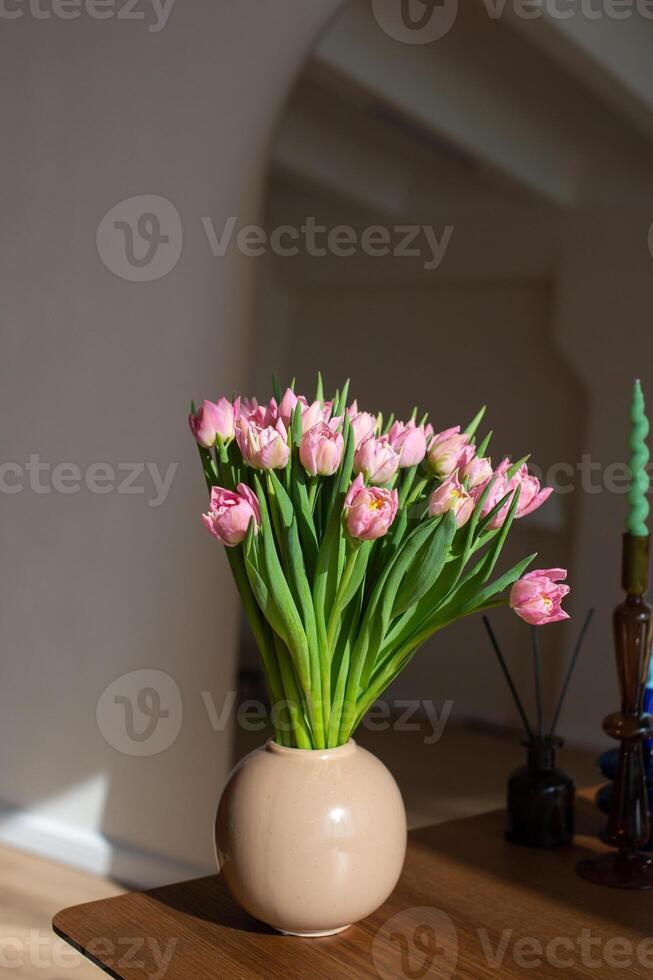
(639, 457)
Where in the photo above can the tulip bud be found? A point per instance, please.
(369, 511)
(537, 598)
(263, 448)
(476, 472)
(312, 413)
(451, 495)
(409, 441)
(287, 406)
(321, 450)
(211, 420)
(376, 459)
(230, 514)
(363, 424)
(445, 451)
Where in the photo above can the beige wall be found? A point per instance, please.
(98, 368)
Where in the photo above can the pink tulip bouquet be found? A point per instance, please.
(353, 539)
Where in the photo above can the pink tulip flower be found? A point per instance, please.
(376, 460)
(262, 415)
(530, 496)
(409, 441)
(321, 450)
(369, 511)
(263, 448)
(447, 451)
(477, 472)
(230, 514)
(363, 424)
(312, 413)
(451, 495)
(537, 597)
(213, 419)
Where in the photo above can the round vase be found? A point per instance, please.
(310, 840)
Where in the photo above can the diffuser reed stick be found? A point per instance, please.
(570, 671)
(537, 672)
(507, 675)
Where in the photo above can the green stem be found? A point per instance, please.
(276, 519)
(406, 484)
(417, 490)
(292, 698)
(270, 663)
(312, 491)
(334, 619)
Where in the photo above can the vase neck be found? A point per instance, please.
(541, 753)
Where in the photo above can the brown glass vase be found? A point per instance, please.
(629, 822)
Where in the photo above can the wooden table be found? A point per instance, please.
(469, 905)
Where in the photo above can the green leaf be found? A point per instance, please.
(284, 502)
(304, 514)
(296, 425)
(503, 582)
(476, 421)
(515, 466)
(482, 448)
(276, 582)
(276, 388)
(341, 404)
(471, 583)
(427, 566)
(358, 575)
(379, 613)
(319, 389)
(491, 514)
(264, 598)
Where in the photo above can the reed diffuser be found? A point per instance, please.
(540, 799)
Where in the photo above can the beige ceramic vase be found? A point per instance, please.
(311, 841)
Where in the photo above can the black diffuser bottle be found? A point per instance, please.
(540, 798)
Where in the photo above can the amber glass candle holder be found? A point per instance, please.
(629, 821)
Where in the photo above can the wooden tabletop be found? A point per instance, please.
(469, 905)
